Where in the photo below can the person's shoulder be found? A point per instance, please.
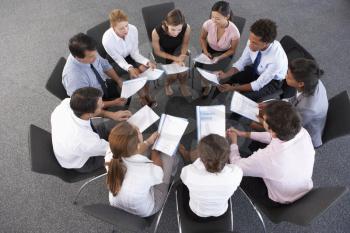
(132, 28)
(207, 23)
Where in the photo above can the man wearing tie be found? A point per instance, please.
(261, 68)
(85, 68)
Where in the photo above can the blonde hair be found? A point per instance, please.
(117, 16)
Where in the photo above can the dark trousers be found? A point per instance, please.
(102, 128)
(256, 188)
(247, 76)
(191, 214)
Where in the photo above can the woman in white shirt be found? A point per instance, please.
(219, 39)
(136, 184)
(121, 43)
(211, 181)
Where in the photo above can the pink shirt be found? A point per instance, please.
(231, 33)
(286, 167)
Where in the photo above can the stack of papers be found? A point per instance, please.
(143, 118)
(130, 87)
(174, 68)
(171, 130)
(204, 59)
(210, 120)
(152, 74)
(244, 106)
(209, 76)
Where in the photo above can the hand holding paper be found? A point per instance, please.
(210, 120)
(204, 59)
(174, 68)
(244, 106)
(143, 118)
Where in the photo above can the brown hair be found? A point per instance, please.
(174, 18)
(123, 141)
(214, 152)
(117, 16)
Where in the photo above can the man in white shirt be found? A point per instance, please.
(75, 142)
(261, 68)
(286, 163)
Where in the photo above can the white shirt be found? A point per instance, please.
(273, 64)
(119, 48)
(136, 194)
(73, 139)
(286, 167)
(210, 192)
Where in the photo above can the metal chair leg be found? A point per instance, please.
(84, 185)
(256, 210)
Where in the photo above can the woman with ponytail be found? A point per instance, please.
(136, 183)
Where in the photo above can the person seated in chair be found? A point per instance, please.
(121, 44)
(77, 143)
(136, 184)
(170, 42)
(85, 68)
(219, 39)
(211, 181)
(285, 164)
(261, 68)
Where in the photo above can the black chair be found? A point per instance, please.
(302, 211)
(97, 33)
(338, 117)
(293, 50)
(54, 83)
(152, 17)
(45, 162)
(239, 22)
(125, 220)
(187, 224)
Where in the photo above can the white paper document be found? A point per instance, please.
(204, 59)
(130, 87)
(152, 74)
(210, 120)
(174, 68)
(143, 118)
(209, 76)
(244, 106)
(171, 130)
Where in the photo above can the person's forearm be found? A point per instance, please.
(184, 49)
(204, 45)
(106, 114)
(113, 75)
(243, 88)
(164, 55)
(227, 53)
(155, 157)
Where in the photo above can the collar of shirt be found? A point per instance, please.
(267, 50)
(137, 159)
(79, 121)
(118, 38)
(84, 65)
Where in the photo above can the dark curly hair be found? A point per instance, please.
(283, 119)
(214, 152)
(266, 29)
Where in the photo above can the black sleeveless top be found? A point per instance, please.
(168, 43)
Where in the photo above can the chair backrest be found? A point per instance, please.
(188, 225)
(154, 15)
(54, 83)
(293, 50)
(96, 33)
(338, 117)
(44, 160)
(239, 22)
(304, 210)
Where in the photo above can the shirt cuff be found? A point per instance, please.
(255, 86)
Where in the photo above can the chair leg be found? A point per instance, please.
(84, 185)
(256, 210)
(230, 201)
(178, 212)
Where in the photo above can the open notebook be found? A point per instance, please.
(171, 130)
(210, 120)
(244, 106)
(143, 118)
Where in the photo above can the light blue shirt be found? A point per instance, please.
(273, 64)
(76, 75)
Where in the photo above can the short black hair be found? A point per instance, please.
(80, 43)
(223, 8)
(283, 119)
(84, 100)
(306, 71)
(266, 29)
(214, 152)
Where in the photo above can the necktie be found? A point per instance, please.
(100, 80)
(257, 62)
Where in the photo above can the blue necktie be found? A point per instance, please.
(257, 62)
(99, 79)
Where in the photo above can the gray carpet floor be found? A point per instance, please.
(34, 35)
